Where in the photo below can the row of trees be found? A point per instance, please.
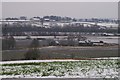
(12, 29)
(9, 43)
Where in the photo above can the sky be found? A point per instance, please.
(70, 9)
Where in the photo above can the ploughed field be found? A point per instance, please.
(60, 69)
(65, 52)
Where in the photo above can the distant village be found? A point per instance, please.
(51, 21)
(56, 25)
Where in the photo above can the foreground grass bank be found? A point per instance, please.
(62, 69)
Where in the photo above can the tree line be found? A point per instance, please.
(18, 30)
(9, 43)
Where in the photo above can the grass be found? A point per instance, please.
(61, 69)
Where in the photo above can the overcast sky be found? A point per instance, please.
(70, 9)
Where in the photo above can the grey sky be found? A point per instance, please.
(76, 9)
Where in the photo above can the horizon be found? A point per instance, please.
(58, 16)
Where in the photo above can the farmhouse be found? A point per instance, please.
(101, 43)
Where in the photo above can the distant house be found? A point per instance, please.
(101, 43)
(46, 19)
(46, 24)
(107, 34)
(54, 43)
(85, 43)
(35, 18)
(82, 43)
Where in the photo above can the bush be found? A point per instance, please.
(8, 42)
(32, 54)
(33, 51)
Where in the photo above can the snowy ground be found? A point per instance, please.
(61, 68)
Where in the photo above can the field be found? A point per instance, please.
(65, 52)
(61, 69)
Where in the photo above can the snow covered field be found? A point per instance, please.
(61, 69)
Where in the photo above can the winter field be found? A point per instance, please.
(97, 68)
